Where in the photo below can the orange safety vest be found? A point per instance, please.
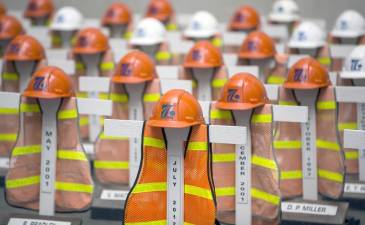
(163, 55)
(265, 190)
(330, 157)
(219, 78)
(74, 185)
(147, 200)
(111, 161)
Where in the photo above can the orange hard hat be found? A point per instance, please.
(203, 55)
(307, 73)
(245, 18)
(257, 45)
(24, 47)
(117, 14)
(39, 8)
(2, 9)
(90, 41)
(135, 67)
(176, 109)
(9, 27)
(49, 82)
(160, 10)
(243, 91)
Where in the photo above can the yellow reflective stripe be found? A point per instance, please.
(226, 191)
(101, 120)
(111, 164)
(220, 114)
(79, 66)
(275, 79)
(197, 146)
(127, 35)
(107, 66)
(224, 157)
(287, 144)
(84, 121)
(120, 98)
(67, 114)
(350, 126)
(8, 137)
(350, 155)
(163, 55)
(155, 222)
(56, 39)
(267, 197)
(74, 187)
(287, 103)
(324, 60)
(152, 97)
(171, 27)
(149, 187)
(195, 83)
(217, 42)
(24, 107)
(329, 175)
(327, 145)
(291, 175)
(9, 111)
(105, 137)
(10, 76)
(261, 118)
(82, 95)
(198, 191)
(218, 83)
(264, 162)
(22, 182)
(326, 105)
(103, 96)
(71, 155)
(153, 142)
(26, 150)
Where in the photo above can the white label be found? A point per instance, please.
(174, 187)
(242, 163)
(114, 195)
(355, 188)
(362, 116)
(307, 208)
(4, 163)
(21, 221)
(48, 173)
(308, 159)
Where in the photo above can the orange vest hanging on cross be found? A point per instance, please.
(74, 185)
(265, 189)
(111, 161)
(330, 159)
(147, 200)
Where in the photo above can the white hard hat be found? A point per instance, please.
(307, 35)
(350, 24)
(202, 25)
(356, 60)
(149, 31)
(284, 11)
(66, 19)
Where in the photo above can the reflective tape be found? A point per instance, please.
(275, 79)
(263, 162)
(218, 83)
(220, 114)
(327, 145)
(326, 105)
(261, 118)
(71, 155)
(195, 83)
(217, 42)
(163, 55)
(8, 137)
(26, 150)
(224, 157)
(111, 164)
(149, 187)
(10, 76)
(197, 146)
(155, 222)
(267, 197)
(104, 137)
(329, 175)
(22, 182)
(198, 191)
(74, 187)
(79, 66)
(287, 144)
(324, 60)
(350, 126)
(9, 111)
(83, 121)
(127, 35)
(107, 66)
(171, 27)
(351, 155)
(56, 40)
(103, 96)
(27, 108)
(291, 175)
(120, 98)
(152, 97)
(67, 114)
(225, 191)
(82, 95)
(287, 103)
(153, 142)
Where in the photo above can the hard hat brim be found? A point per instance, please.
(303, 86)
(54, 26)
(200, 65)
(129, 80)
(32, 14)
(346, 34)
(171, 124)
(254, 55)
(87, 51)
(45, 95)
(297, 44)
(283, 18)
(199, 34)
(145, 41)
(8, 57)
(238, 105)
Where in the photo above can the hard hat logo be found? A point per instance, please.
(196, 55)
(302, 36)
(126, 69)
(60, 19)
(299, 75)
(32, 6)
(141, 33)
(356, 65)
(252, 46)
(83, 41)
(39, 84)
(239, 18)
(344, 25)
(280, 9)
(168, 111)
(14, 48)
(196, 25)
(233, 96)
(110, 13)
(153, 10)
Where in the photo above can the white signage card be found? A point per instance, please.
(167, 72)
(276, 31)
(350, 94)
(9, 100)
(341, 51)
(114, 195)
(123, 128)
(181, 46)
(233, 38)
(272, 91)
(232, 70)
(294, 58)
(56, 54)
(354, 188)
(280, 47)
(167, 85)
(352, 75)
(94, 107)
(4, 163)
(91, 22)
(94, 84)
(118, 43)
(308, 208)
(66, 65)
(230, 59)
(24, 221)
(174, 36)
(297, 114)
